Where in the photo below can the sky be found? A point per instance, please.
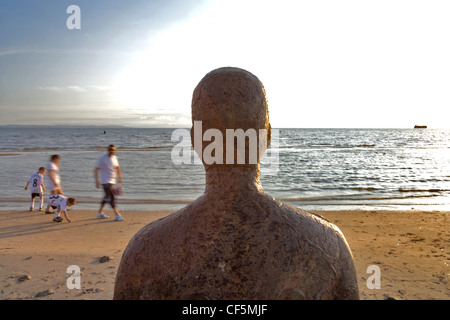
(324, 63)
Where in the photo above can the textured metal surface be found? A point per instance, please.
(235, 241)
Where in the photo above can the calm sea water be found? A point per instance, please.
(318, 169)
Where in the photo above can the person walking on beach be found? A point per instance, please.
(54, 183)
(109, 168)
(37, 187)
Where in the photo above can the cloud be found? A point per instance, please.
(12, 51)
(99, 88)
(51, 88)
(165, 118)
(75, 88)
(162, 118)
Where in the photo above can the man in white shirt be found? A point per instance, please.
(109, 168)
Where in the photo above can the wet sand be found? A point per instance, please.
(409, 247)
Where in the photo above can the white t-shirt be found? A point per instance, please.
(36, 180)
(107, 166)
(57, 200)
(52, 166)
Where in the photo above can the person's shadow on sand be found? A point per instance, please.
(24, 227)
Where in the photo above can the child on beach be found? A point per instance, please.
(37, 187)
(60, 203)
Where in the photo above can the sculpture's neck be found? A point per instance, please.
(228, 179)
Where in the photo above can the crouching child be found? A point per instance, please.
(60, 204)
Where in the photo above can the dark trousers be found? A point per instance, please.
(109, 195)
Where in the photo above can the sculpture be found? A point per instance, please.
(235, 241)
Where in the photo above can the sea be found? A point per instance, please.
(313, 169)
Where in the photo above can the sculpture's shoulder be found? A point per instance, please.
(151, 254)
(167, 237)
(164, 230)
(314, 224)
(320, 248)
(307, 225)
(237, 245)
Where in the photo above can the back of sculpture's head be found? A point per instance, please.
(230, 99)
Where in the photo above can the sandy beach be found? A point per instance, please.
(410, 247)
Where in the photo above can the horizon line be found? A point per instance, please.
(188, 127)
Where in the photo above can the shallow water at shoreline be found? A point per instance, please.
(317, 169)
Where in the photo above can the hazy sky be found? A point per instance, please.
(323, 63)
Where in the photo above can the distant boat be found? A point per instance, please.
(420, 127)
